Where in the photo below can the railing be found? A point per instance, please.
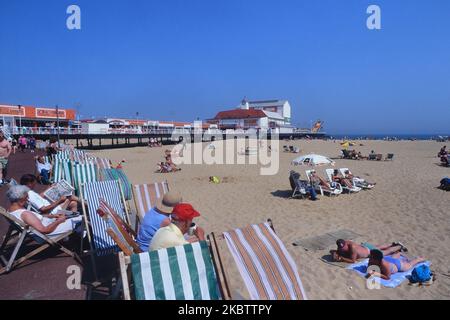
(176, 131)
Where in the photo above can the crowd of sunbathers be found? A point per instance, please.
(339, 181)
(387, 257)
(354, 155)
(154, 142)
(168, 165)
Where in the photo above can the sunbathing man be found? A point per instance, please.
(337, 177)
(349, 251)
(317, 181)
(44, 169)
(390, 264)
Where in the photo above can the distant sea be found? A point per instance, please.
(389, 136)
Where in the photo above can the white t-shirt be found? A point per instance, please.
(38, 202)
(47, 166)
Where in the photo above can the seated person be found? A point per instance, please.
(43, 205)
(358, 180)
(390, 264)
(44, 169)
(155, 217)
(349, 251)
(318, 181)
(175, 233)
(49, 224)
(337, 177)
(170, 163)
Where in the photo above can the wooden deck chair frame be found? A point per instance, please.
(224, 288)
(122, 233)
(20, 230)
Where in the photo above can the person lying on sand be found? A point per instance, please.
(349, 251)
(390, 264)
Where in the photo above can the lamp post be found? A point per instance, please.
(20, 118)
(57, 125)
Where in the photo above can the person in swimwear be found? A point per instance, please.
(390, 264)
(349, 251)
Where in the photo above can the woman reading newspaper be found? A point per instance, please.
(51, 201)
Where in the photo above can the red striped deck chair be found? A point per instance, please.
(146, 195)
(268, 270)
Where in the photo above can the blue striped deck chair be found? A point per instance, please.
(268, 270)
(83, 173)
(179, 273)
(118, 174)
(146, 195)
(93, 192)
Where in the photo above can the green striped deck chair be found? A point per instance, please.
(83, 173)
(267, 268)
(179, 273)
(117, 174)
(62, 170)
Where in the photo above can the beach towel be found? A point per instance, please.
(396, 278)
(267, 268)
(178, 273)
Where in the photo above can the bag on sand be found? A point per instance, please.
(420, 274)
(445, 184)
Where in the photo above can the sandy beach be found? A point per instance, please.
(405, 206)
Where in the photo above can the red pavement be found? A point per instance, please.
(43, 277)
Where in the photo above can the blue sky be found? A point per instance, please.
(183, 59)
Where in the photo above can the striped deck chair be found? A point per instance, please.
(83, 173)
(23, 233)
(146, 195)
(268, 270)
(62, 170)
(93, 192)
(118, 174)
(179, 273)
(102, 163)
(118, 229)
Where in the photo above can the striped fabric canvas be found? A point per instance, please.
(178, 273)
(83, 173)
(62, 170)
(109, 191)
(268, 270)
(145, 195)
(118, 174)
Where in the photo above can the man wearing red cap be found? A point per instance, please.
(174, 234)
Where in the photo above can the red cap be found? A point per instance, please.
(184, 211)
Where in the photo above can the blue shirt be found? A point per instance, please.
(151, 223)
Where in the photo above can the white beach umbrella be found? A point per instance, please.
(313, 160)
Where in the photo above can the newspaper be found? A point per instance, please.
(58, 190)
